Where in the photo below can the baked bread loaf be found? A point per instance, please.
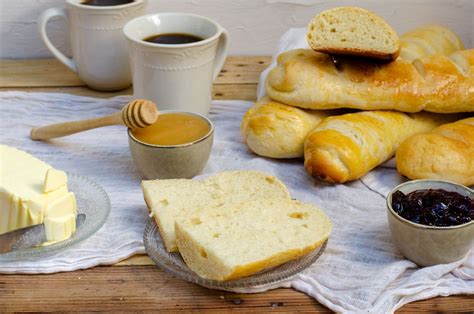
(309, 79)
(275, 130)
(168, 200)
(446, 152)
(353, 31)
(238, 240)
(429, 40)
(344, 148)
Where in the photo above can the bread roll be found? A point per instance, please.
(310, 80)
(168, 200)
(238, 240)
(353, 31)
(344, 148)
(446, 152)
(275, 130)
(429, 40)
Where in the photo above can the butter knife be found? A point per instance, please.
(25, 238)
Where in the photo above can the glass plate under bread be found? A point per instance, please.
(92, 201)
(174, 264)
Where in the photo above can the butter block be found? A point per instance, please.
(54, 180)
(38, 204)
(23, 200)
(60, 218)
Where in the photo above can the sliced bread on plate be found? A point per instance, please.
(168, 200)
(241, 239)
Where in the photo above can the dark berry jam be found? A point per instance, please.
(438, 208)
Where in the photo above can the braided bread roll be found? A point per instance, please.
(344, 148)
(429, 40)
(446, 152)
(310, 80)
(276, 130)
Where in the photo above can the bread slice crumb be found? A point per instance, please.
(353, 31)
(238, 240)
(172, 199)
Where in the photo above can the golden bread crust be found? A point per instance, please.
(308, 79)
(275, 130)
(273, 261)
(446, 152)
(359, 53)
(344, 148)
(429, 40)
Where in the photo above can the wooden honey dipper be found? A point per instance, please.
(136, 114)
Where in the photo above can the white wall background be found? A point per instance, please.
(254, 25)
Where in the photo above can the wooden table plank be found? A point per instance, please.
(138, 288)
(220, 91)
(36, 72)
(79, 91)
(134, 288)
(52, 73)
(136, 260)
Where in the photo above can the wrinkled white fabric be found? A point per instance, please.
(101, 154)
(360, 270)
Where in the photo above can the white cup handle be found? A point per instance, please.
(42, 21)
(221, 53)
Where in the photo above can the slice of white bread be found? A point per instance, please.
(353, 31)
(168, 200)
(238, 240)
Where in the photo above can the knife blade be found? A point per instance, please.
(24, 238)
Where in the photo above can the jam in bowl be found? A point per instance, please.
(431, 207)
(431, 221)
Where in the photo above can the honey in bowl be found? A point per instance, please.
(173, 129)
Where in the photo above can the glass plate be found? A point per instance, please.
(174, 264)
(92, 201)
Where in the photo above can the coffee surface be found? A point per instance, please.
(106, 3)
(173, 39)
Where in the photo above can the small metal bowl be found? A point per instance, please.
(430, 245)
(173, 161)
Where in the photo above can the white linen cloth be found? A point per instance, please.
(360, 270)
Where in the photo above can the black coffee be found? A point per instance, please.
(173, 39)
(105, 3)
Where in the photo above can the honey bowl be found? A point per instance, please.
(177, 145)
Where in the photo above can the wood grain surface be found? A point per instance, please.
(52, 73)
(141, 288)
(136, 284)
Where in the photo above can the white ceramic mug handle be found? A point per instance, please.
(221, 53)
(42, 21)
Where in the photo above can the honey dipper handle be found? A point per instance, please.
(68, 128)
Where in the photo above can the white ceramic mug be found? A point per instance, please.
(100, 54)
(180, 76)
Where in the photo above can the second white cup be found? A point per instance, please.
(176, 76)
(100, 55)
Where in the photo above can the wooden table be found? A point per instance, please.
(136, 284)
